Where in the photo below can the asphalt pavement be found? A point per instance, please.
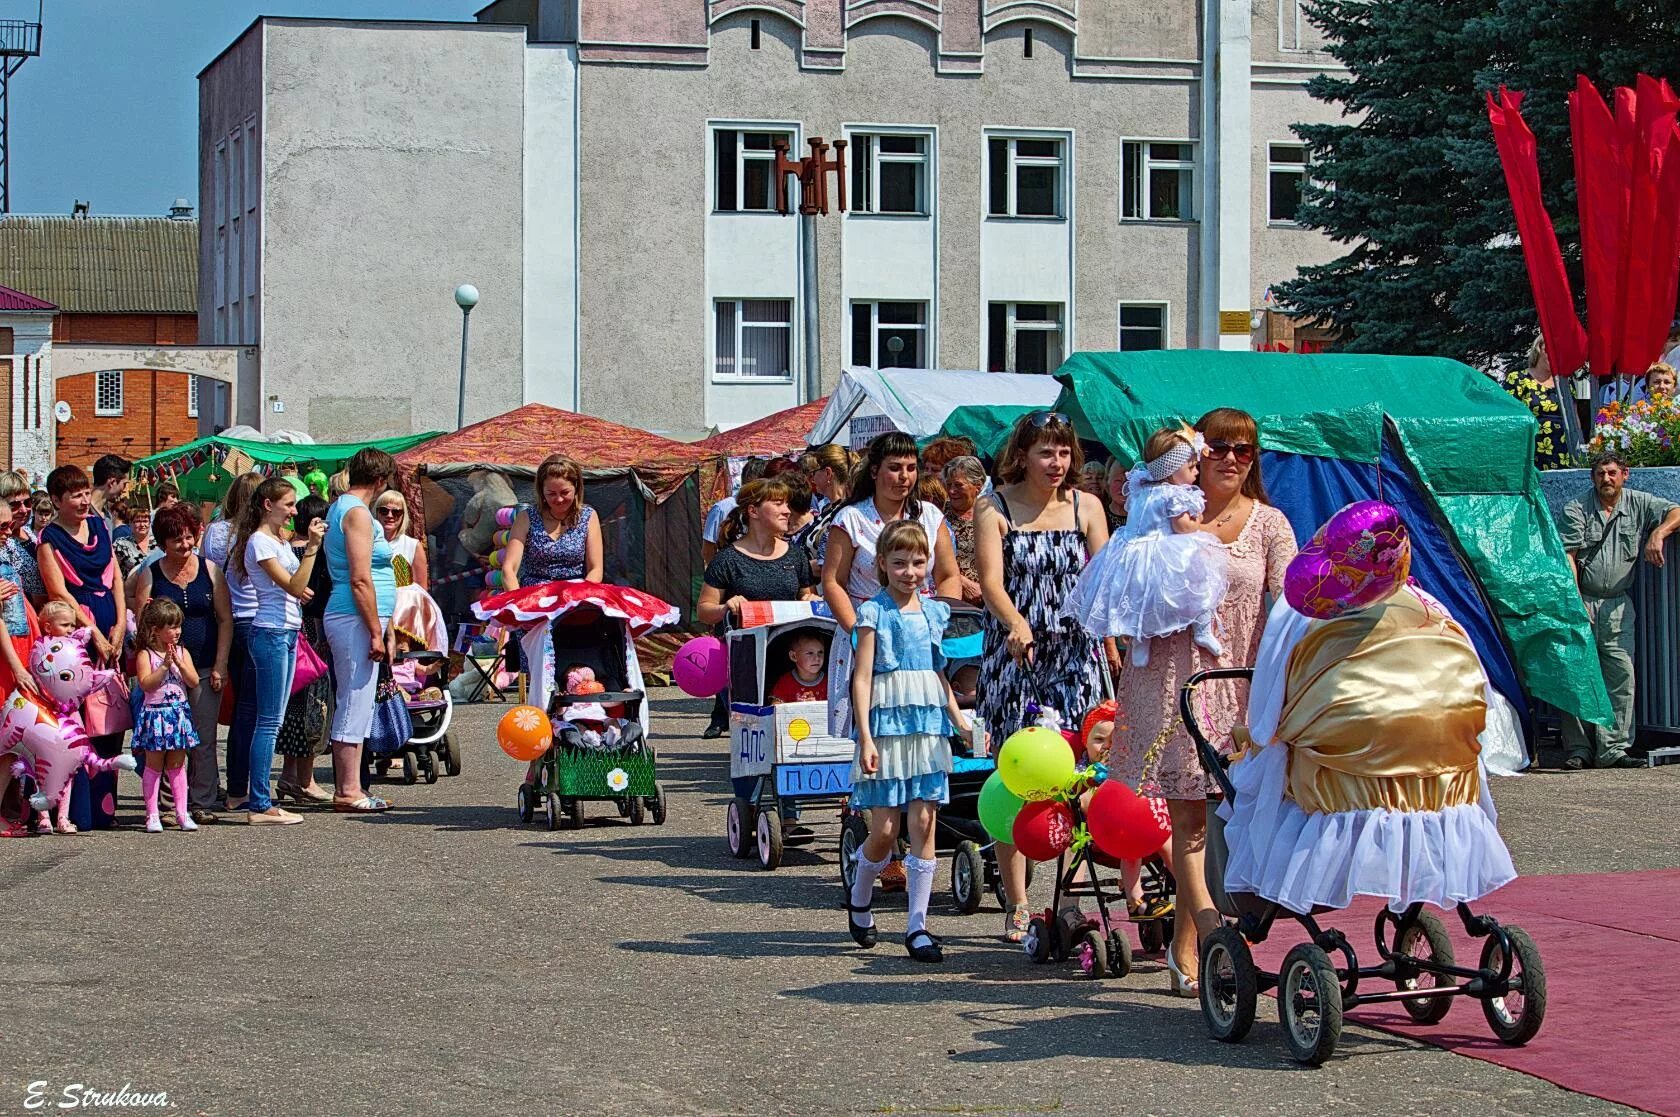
(443, 959)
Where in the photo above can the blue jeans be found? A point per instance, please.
(273, 658)
(244, 712)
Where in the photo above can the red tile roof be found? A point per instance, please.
(17, 300)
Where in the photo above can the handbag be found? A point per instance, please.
(107, 708)
(392, 726)
(309, 664)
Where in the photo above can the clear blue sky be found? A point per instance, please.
(109, 111)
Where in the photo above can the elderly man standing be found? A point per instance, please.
(1603, 536)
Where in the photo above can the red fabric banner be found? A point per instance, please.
(1566, 340)
(1601, 197)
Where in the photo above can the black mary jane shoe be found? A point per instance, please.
(864, 936)
(923, 951)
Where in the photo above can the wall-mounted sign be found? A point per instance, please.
(61, 411)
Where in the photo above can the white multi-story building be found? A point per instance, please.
(1026, 177)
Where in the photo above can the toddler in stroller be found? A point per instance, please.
(1363, 776)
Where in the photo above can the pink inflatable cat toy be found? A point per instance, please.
(44, 734)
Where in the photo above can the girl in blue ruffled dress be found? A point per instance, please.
(1160, 573)
(903, 746)
(164, 728)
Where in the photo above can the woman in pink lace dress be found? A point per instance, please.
(1155, 751)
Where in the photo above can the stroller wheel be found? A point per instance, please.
(1230, 985)
(635, 811)
(769, 839)
(1037, 942)
(573, 809)
(409, 767)
(1424, 939)
(1516, 1015)
(553, 813)
(526, 809)
(1152, 936)
(968, 871)
(1092, 953)
(429, 766)
(623, 808)
(1119, 953)
(1310, 1005)
(656, 804)
(451, 750)
(853, 831)
(738, 826)
(998, 889)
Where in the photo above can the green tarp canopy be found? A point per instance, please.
(984, 425)
(1468, 443)
(209, 479)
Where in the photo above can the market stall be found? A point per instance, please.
(868, 401)
(204, 468)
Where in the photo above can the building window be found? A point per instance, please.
(754, 339)
(1024, 176)
(890, 174)
(744, 170)
(192, 397)
(889, 335)
(1143, 326)
(108, 393)
(1158, 180)
(1286, 178)
(1024, 337)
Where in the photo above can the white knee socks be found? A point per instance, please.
(863, 885)
(919, 889)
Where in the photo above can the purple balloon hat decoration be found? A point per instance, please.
(1360, 556)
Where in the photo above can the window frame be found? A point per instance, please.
(1063, 162)
(791, 325)
(1303, 169)
(1013, 326)
(99, 410)
(741, 129)
(1120, 307)
(875, 325)
(855, 135)
(1146, 164)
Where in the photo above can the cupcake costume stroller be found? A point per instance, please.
(1365, 777)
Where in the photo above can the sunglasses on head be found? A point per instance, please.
(1038, 420)
(1218, 448)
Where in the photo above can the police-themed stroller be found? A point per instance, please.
(781, 758)
(590, 625)
(1320, 979)
(957, 827)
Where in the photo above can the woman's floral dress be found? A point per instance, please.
(1551, 441)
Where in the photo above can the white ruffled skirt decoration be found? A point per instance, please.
(1302, 861)
(1153, 585)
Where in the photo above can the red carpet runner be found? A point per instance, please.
(1609, 942)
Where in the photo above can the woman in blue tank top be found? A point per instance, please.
(357, 620)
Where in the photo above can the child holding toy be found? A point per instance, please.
(903, 742)
(164, 729)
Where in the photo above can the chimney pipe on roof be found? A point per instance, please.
(80, 208)
(182, 210)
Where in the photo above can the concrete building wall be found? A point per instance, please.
(551, 225)
(393, 167)
(1280, 249)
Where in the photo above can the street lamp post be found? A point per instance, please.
(466, 297)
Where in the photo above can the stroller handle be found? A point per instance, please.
(600, 697)
(1212, 762)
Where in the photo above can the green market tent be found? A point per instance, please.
(1434, 437)
(202, 467)
(984, 425)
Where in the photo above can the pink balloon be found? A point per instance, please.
(701, 667)
(1360, 556)
(504, 516)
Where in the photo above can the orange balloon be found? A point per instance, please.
(524, 732)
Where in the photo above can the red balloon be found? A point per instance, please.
(1124, 824)
(1043, 830)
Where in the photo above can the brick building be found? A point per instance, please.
(114, 281)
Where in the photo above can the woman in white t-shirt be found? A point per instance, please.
(279, 581)
(883, 490)
(216, 547)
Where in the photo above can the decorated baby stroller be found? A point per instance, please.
(594, 626)
(957, 828)
(781, 756)
(1320, 979)
(430, 748)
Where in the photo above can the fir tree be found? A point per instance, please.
(1411, 181)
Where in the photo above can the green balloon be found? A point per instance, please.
(998, 808)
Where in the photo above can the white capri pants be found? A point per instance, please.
(357, 677)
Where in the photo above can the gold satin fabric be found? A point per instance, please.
(1382, 708)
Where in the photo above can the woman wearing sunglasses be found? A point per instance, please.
(1258, 544)
(1032, 537)
(391, 511)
